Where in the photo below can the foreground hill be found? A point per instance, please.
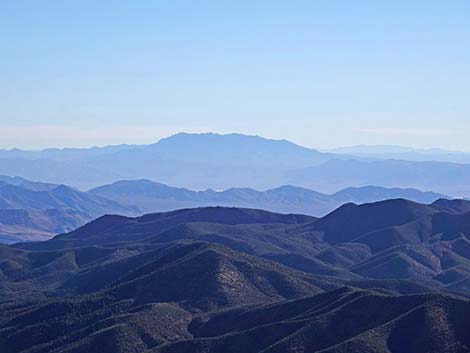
(142, 293)
(391, 276)
(335, 322)
(393, 239)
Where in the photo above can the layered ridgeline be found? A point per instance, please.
(404, 153)
(37, 211)
(197, 161)
(201, 161)
(392, 276)
(149, 196)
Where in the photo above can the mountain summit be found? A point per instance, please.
(202, 161)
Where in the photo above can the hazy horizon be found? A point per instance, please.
(394, 148)
(320, 74)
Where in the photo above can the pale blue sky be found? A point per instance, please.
(320, 73)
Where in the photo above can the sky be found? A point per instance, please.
(323, 73)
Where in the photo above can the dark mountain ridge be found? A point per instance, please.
(335, 322)
(393, 239)
(221, 279)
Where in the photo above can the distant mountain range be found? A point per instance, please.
(198, 161)
(149, 196)
(443, 177)
(391, 276)
(404, 153)
(37, 211)
(201, 161)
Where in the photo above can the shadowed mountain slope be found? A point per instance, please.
(351, 220)
(229, 280)
(82, 292)
(394, 239)
(335, 322)
(452, 206)
(116, 228)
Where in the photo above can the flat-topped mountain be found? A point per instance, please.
(202, 161)
(212, 160)
(237, 149)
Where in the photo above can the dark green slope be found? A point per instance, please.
(108, 229)
(148, 298)
(344, 320)
(240, 280)
(394, 239)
